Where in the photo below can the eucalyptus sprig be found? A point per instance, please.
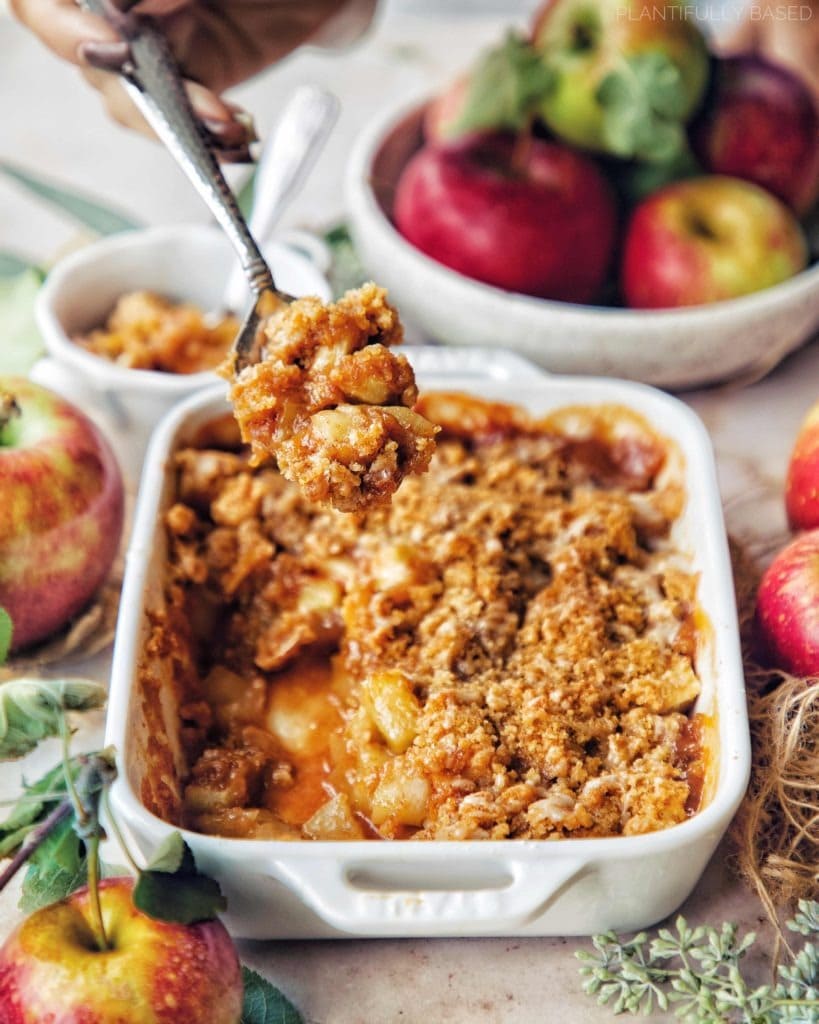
(33, 709)
(697, 972)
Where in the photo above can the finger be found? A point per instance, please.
(159, 8)
(117, 102)
(230, 135)
(229, 122)
(105, 56)
(63, 26)
(242, 155)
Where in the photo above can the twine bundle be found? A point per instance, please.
(776, 831)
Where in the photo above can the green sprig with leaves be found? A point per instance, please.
(54, 829)
(697, 972)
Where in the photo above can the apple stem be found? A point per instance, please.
(89, 830)
(92, 851)
(522, 148)
(9, 409)
(35, 839)
(71, 789)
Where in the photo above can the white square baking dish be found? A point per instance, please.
(322, 889)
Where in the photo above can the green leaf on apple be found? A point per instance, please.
(172, 889)
(36, 803)
(58, 867)
(644, 102)
(505, 89)
(6, 630)
(22, 345)
(32, 709)
(265, 1004)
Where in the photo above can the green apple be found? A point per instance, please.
(625, 74)
(52, 970)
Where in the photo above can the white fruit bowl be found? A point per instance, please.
(332, 889)
(679, 348)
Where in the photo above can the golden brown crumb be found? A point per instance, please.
(505, 651)
(332, 403)
(148, 332)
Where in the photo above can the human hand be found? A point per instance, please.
(217, 44)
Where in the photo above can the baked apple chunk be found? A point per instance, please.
(332, 404)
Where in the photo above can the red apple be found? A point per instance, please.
(707, 239)
(539, 219)
(761, 124)
(60, 513)
(52, 971)
(787, 609)
(444, 111)
(802, 483)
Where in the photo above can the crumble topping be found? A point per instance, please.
(146, 331)
(332, 403)
(504, 651)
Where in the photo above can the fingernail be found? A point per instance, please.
(245, 119)
(105, 56)
(240, 155)
(228, 132)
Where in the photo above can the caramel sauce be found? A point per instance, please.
(298, 693)
(692, 756)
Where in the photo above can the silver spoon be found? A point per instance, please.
(287, 158)
(151, 78)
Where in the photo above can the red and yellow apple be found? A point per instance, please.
(583, 41)
(60, 513)
(761, 124)
(707, 239)
(802, 481)
(51, 968)
(787, 609)
(538, 219)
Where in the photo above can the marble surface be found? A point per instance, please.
(53, 124)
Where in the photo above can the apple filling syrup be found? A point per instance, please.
(505, 651)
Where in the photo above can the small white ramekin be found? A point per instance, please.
(186, 262)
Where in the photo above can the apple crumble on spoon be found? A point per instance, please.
(332, 403)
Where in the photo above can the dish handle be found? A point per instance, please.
(471, 362)
(427, 898)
